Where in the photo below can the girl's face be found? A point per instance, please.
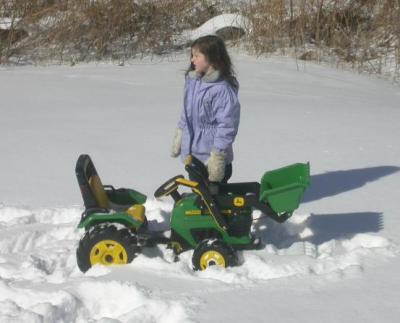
(201, 65)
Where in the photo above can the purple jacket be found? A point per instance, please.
(210, 116)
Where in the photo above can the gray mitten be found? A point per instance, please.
(176, 144)
(216, 166)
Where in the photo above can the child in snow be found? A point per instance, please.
(210, 117)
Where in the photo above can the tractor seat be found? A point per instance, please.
(97, 196)
(98, 191)
(137, 212)
(101, 196)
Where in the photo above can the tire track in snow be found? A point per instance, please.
(39, 278)
(40, 282)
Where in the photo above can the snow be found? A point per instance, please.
(215, 24)
(336, 259)
(40, 282)
(7, 23)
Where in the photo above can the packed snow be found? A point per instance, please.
(336, 259)
(8, 23)
(216, 24)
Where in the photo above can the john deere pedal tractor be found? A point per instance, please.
(214, 219)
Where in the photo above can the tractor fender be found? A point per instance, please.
(124, 219)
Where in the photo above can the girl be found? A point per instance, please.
(210, 117)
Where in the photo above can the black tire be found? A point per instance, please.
(106, 234)
(213, 252)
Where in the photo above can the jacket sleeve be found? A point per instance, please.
(182, 119)
(227, 117)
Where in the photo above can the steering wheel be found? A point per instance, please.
(168, 187)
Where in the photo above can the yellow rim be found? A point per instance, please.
(210, 258)
(108, 252)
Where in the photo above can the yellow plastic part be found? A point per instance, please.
(177, 247)
(187, 182)
(193, 212)
(108, 252)
(210, 258)
(238, 201)
(188, 160)
(137, 212)
(208, 207)
(200, 212)
(98, 191)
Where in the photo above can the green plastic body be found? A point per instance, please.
(120, 217)
(185, 224)
(283, 188)
(126, 197)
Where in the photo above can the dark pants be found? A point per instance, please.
(228, 173)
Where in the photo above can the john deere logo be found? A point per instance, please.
(238, 201)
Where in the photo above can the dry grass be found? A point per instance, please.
(87, 29)
(362, 33)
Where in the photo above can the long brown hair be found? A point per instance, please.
(214, 49)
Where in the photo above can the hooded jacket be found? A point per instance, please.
(210, 116)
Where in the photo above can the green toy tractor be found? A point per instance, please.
(214, 219)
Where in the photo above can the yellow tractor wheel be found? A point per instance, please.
(106, 245)
(108, 252)
(212, 258)
(213, 253)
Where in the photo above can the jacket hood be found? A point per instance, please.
(211, 77)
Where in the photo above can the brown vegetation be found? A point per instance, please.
(358, 32)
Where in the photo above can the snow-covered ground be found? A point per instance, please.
(216, 24)
(335, 260)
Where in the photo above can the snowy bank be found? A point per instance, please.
(39, 279)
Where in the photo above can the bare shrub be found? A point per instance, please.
(87, 29)
(363, 33)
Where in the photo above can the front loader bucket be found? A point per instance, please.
(283, 188)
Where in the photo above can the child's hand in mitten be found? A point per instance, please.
(216, 166)
(176, 144)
